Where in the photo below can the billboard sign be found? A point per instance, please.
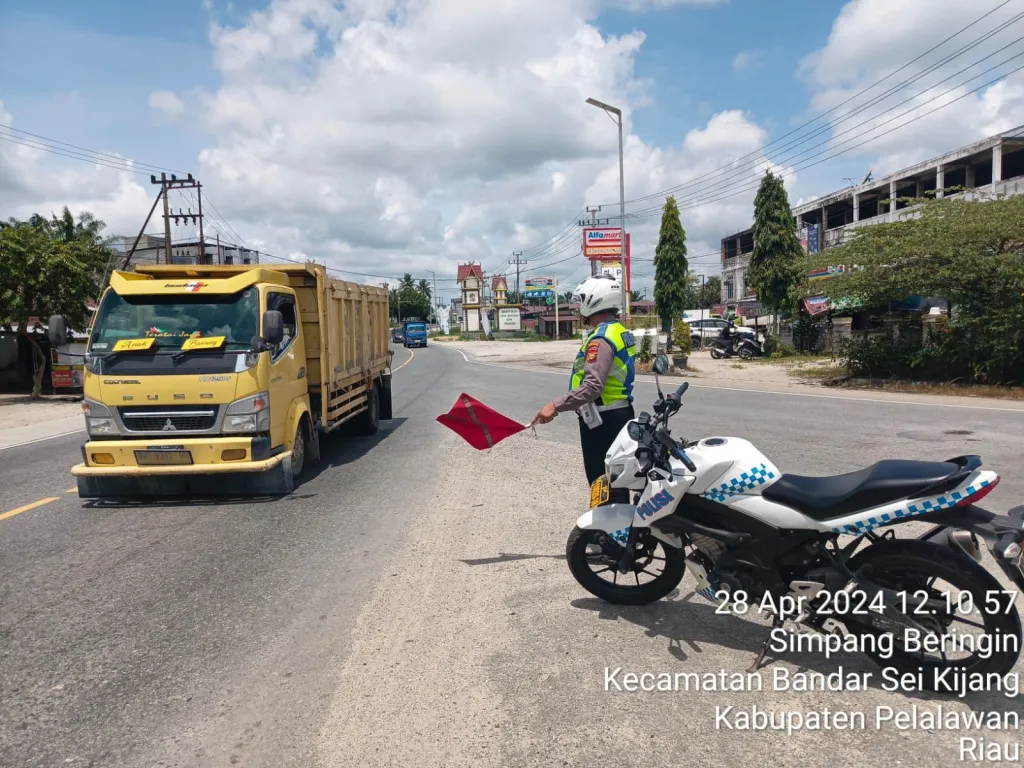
(612, 268)
(602, 243)
(812, 238)
(508, 319)
(539, 288)
(829, 271)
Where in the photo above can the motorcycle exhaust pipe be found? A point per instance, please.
(964, 541)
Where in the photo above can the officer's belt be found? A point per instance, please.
(613, 406)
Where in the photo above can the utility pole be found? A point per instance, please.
(167, 184)
(594, 221)
(518, 262)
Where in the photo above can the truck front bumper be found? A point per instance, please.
(216, 466)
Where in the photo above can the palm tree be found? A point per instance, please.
(635, 295)
(424, 288)
(407, 282)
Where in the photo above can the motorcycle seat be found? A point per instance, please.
(827, 498)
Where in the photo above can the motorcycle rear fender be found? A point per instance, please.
(998, 532)
(618, 517)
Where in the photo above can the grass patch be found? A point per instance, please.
(738, 366)
(943, 388)
(816, 372)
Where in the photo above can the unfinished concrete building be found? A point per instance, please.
(994, 166)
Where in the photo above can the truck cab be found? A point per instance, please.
(199, 376)
(415, 334)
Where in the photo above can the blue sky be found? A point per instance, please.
(123, 50)
(301, 157)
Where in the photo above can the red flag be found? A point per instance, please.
(478, 425)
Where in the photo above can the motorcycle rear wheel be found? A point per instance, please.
(626, 588)
(906, 565)
(716, 353)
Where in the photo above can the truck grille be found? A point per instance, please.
(163, 418)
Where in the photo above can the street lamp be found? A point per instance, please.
(617, 114)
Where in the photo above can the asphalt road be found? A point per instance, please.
(409, 604)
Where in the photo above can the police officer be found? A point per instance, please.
(601, 386)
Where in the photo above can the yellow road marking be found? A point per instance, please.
(27, 507)
(411, 356)
(72, 490)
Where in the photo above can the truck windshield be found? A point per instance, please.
(170, 320)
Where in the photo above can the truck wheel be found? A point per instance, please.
(695, 343)
(299, 449)
(368, 421)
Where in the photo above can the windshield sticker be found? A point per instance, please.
(100, 345)
(128, 345)
(207, 342)
(191, 287)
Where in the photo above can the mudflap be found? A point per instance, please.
(616, 519)
(384, 397)
(278, 481)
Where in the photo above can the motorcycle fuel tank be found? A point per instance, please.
(728, 467)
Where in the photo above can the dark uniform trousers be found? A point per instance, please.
(596, 442)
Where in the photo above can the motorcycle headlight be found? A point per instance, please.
(250, 414)
(98, 418)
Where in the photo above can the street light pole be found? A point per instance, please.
(617, 113)
(435, 291)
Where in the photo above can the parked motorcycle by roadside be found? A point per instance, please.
(757, 540)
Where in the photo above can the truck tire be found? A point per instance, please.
(299, 449)
(368, 422)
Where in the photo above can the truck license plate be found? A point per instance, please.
(599, 492)
(162, 458)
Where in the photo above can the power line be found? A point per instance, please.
(758, 152)
(90, 151)
(804, 165)
(831, 140)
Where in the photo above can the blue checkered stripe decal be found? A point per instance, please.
(946, 501)
(621, 535)
(752, 478)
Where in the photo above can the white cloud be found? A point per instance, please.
(389, 136)
(745, 60)
(411, 134)
(872, 39)
(167, 103)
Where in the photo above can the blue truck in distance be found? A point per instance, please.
(415, 334)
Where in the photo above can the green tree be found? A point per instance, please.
(969, 253)
(710, 293)
(775, 262)
(671, 269)
(49, 268)
(635, 295)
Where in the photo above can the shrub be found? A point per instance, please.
(681, 338)
(644, 355)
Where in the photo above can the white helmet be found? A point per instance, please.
(599, 293)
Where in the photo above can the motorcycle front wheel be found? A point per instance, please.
(657, 568)
(746, 353)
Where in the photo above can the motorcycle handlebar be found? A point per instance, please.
(666, 440)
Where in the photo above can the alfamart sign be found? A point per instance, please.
(602, 243)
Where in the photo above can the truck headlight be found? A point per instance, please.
(98, 419)
(250, 414)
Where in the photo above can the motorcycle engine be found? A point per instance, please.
(710, 579)
(712, 548)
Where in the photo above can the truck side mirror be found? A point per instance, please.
(57, 330)
(273, 327)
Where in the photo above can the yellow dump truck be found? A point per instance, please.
(220, 379)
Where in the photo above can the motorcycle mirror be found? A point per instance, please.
(660, 366)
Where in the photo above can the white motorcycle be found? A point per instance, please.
(755, 538)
